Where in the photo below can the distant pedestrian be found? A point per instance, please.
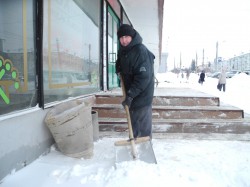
(202, 77)
(187, 74)
(222, 80)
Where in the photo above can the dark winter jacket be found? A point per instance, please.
(136, 64)
(202, 77)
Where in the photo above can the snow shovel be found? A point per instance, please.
(134, 149)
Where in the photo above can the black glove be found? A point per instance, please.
(118, 66)
(127, 101)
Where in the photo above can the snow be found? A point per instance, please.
(180, 162)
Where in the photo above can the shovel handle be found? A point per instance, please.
(131, 135)
(137, 141)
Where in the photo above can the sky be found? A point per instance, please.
(189, 27)
(189, 162)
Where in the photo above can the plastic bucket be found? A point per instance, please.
(95, 125)
(70, 124)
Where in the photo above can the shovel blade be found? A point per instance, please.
(144, 152)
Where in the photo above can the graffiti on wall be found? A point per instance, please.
(8, 77)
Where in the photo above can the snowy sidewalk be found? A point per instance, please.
(208, 160)
(181, 162)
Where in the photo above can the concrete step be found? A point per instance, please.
(185, 101)
(174, 112)
(183, 136)
(165, 100)
(235, 126)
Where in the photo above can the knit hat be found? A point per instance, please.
(125, 30)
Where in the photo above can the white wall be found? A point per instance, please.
(23, 138)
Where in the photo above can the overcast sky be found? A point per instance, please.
(194, 25)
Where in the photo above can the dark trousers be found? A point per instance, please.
(141, 120)
(223, 87)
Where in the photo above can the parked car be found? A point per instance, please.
(209, 74)
(247, 72)
(230, 74)
(215, 75)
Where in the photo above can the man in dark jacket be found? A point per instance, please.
(135, 64)
(202, 77)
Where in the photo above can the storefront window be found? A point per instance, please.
(70, 48)
(17, 56)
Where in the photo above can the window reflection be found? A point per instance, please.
(17, 62)
(71, 48)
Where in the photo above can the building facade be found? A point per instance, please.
(240, 62)
(52, 51)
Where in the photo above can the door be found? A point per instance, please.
(113, 23)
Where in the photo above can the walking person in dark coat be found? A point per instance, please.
(202, 77)
(135, 64)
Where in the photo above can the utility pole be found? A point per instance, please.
(180, 61)
(196, 63)
(216, 57)
(203, 54)
(174, 64)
